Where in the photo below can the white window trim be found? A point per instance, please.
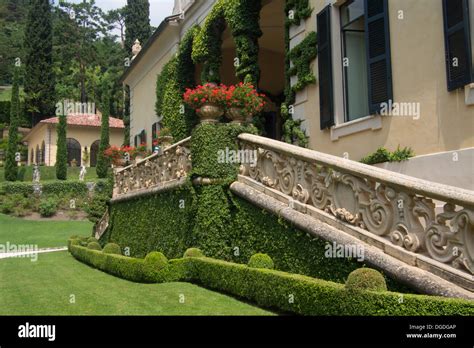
(341, 127)
(469, 94)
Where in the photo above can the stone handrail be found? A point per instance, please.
(173, 164)
(101, 226)
(396, 208)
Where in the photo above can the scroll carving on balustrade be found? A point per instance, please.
(401, 215)
(174, 163)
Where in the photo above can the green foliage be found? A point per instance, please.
(270, 288)
(103, 162)
(366, 279)
(39, 75)
(5, 108)
(302, 55)
(154, 265)
(208, 146)
(169, 230)
(137, 23)
(193, 252)
(17, 204)
(61, 150)
(54, 187)
(96, 207)
(11, 167)
(175, 77)
(25, 173)
(243, 18)
(48, 207)
(94, 246)
(292, 132)
(112, 248)
(384, 155)
(301, 10)
(261, 261)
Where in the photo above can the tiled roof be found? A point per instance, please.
(86, 120)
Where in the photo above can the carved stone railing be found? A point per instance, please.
(101, 226)
(173, 164)
(398, 209)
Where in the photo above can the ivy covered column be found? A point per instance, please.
(214, 155)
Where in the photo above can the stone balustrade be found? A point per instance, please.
(173, 164)
(399, 211)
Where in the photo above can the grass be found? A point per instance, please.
(45, 287)
(49, 173)
(41, 233)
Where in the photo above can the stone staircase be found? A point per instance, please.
(393, 217)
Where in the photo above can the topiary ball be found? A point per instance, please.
(94, 246)
(112, 248)
(193, 252)
(366, 279)
(154, 265)
(261, 261)
(91, 239)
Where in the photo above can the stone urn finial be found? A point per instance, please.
(136, 48)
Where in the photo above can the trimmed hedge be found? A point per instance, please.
(261, 261)
(366, 279)
(273, 289)
(112, 248)
(50, 187)
(94, 246)
(193, 252)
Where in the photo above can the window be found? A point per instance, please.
(355, 60)
(458, 36)
(365, 55)
(155, 128)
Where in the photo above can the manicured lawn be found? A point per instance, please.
(46, 286)
(41, 233)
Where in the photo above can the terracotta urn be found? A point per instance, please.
(210, 113)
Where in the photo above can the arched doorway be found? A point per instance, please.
(94, 152)
(73, 151)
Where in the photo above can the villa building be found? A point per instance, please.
(387, 74)
(83, 139)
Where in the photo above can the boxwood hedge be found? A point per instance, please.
(273, 289)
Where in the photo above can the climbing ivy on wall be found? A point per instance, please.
(301, 56)
(243, 19)
(175, 77)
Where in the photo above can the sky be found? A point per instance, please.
(159, 9)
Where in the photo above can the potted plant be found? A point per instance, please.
(163, 138)
(243, 102)
(141, 152)
(208, 101)
(116, 156)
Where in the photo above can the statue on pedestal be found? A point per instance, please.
(36, 173)
(82, 173)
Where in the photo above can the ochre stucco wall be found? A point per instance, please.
(419, 75)
(84, 135)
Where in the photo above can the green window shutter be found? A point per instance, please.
(457, 42)
(326, 98)
(379, 67)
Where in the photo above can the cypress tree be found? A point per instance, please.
(11, 166)
(39, 77)
(103, 162)
(137, 23)
(61, 150)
